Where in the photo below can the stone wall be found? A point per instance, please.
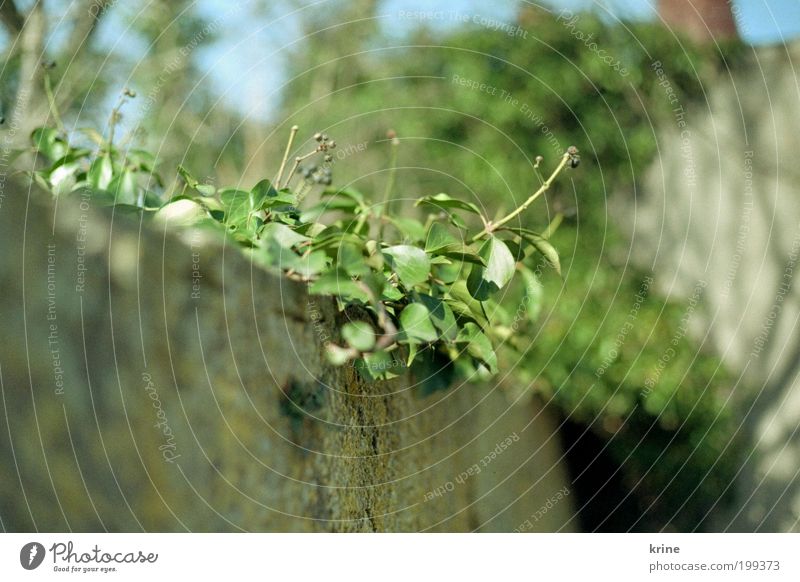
(158, 382)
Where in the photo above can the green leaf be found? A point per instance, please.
(47, 141)
(465, 255)
(478, 345)
(378, 366)
(310, 264)
(548, 251)
(416, 324)
(283, 235)
(410, 263)
(541, 244)
(499, 269)
(440, 240)
(336, 355)
(100, 173)
(359, 335)
(410, 228)
(194, 183)
(62, 177)
(264, 189)
(458, 295)
(206, 189)
(333, 237)
(237, 205)
(533, 293)
(441, 315)
(124, 188)
(351, 259)
(443, 201)
(338, 283)
(182, 212)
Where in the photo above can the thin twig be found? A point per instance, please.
(297, 162)
(292, 133)
(48, 89)
(542, 189)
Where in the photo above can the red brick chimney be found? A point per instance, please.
(700, 20)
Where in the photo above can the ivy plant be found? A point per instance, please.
(429, 288)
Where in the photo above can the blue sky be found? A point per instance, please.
(245, 63)
(760, 22)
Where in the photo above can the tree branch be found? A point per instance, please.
(85, 23)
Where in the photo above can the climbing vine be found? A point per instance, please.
(430, 286)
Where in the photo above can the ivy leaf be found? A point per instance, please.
(359, 335)
(337, 282)
(351, 259)
(548, 251)
(124, 188)
(378, 366)
(182, 212)
(440, 240)
(263, 190)
(444, 201)
(283, 235)
(441, 315)
(100, 173)
(465, 255)
(410, 263)
(238, 206)
(206, 189)
(478, 345)
(533, 293)
(47, 141)
(483, 281)
(541, 244)
(336, 355)
(463, 303)
(416, 324)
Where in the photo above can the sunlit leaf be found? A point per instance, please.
(478, 345)
(441, 201)
(410, 263)
(47, 141)
(486, 280)
(100, 173)
(359, 335)
(441, 315)
(439, 239)
(416, 324)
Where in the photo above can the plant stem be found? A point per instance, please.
(553, 226)
(291, 173)
(292, 133)
(387, 193)
(52, 101)
(542, 189)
